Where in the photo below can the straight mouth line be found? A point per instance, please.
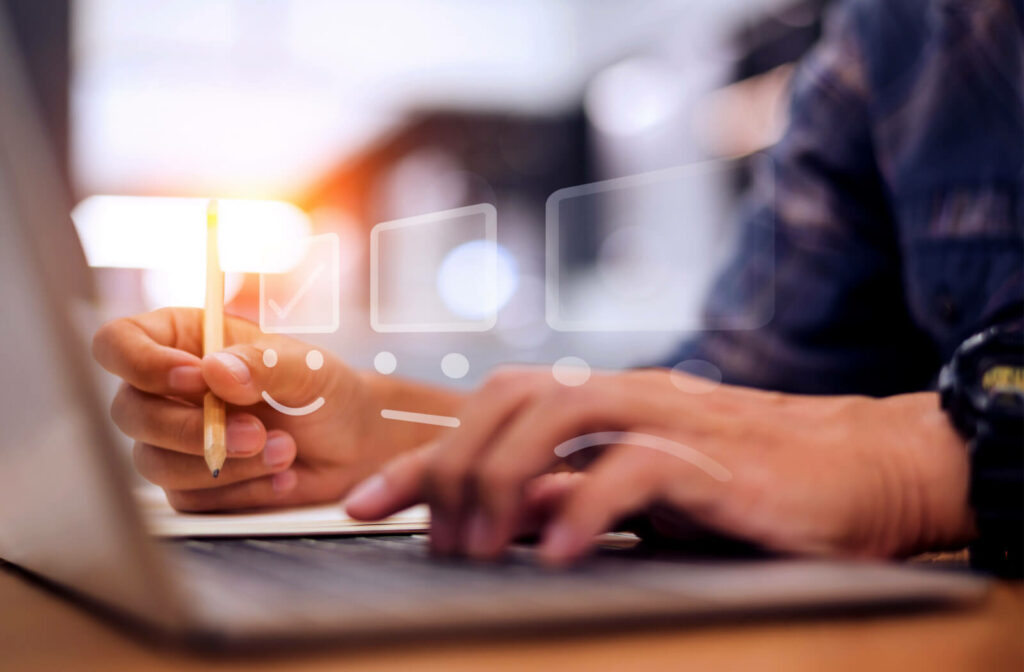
(422, 418)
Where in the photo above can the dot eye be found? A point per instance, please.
(270, 358)
(314, 360)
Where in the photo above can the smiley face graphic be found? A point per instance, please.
(315, 361)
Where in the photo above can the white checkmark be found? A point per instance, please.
(302, 291)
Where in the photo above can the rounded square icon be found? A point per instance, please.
(641, 253)
(436, 272)
(307, 298)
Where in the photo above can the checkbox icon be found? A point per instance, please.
(307, 298)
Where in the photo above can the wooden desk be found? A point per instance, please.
(39, 631)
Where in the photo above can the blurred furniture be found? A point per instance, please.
(40, 631)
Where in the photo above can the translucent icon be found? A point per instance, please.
(701, 460)
(439, 272)
(385, 363)
(571, 371)
(315, 361)
(455, 365)
(696, 376)
(307, 298)
(640, 253)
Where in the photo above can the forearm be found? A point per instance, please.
(385, 392)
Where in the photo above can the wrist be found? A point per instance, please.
(936, 478)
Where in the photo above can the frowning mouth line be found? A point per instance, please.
(709, 466)
(292, 410)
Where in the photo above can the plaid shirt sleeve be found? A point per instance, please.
(820, 268)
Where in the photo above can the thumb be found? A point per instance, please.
(285, 373)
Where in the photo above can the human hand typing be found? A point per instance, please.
(817, 475)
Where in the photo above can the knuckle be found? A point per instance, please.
(445, 477)
(493, 476)
(446, 470)
(121, 407)
(572, 399)
(189, 431)
(295, 382)
(144, 459)
(504, 381)
(103, 337)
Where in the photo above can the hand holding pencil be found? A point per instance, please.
(195, 398)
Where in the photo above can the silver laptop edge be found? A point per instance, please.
(66, 511)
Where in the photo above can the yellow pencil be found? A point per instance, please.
(214, 413)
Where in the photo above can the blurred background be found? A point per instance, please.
(356, 112)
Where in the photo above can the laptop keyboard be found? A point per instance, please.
(357, 585)
(303, 577)
(374, 564)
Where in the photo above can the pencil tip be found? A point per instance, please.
(216, 473)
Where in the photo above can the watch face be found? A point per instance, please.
(1001, 380)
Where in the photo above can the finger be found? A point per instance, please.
(179, 471)
(541, 498)
(445, 528)
(295, 486)
(159, 351)
(178, 426)
(397, 486)
(293, 377)
(544, 497)
(144, 351)
(526, 448)
(625, 480)
(485, 414)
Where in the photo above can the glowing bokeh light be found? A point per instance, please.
(169, 233)
(465, 282)
(632, 96)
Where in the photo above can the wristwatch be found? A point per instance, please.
(982, 391)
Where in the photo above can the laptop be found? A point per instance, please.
(68, 518)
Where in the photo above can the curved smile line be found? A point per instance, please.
(290, 410)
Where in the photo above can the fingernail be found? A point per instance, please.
(477, 534)
(370, 493)
(278, 451)
(284, 482)
(233, 363)
(243, 436)
(186, 379)
(560, 542)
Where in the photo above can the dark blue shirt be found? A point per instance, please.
(894, 225)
